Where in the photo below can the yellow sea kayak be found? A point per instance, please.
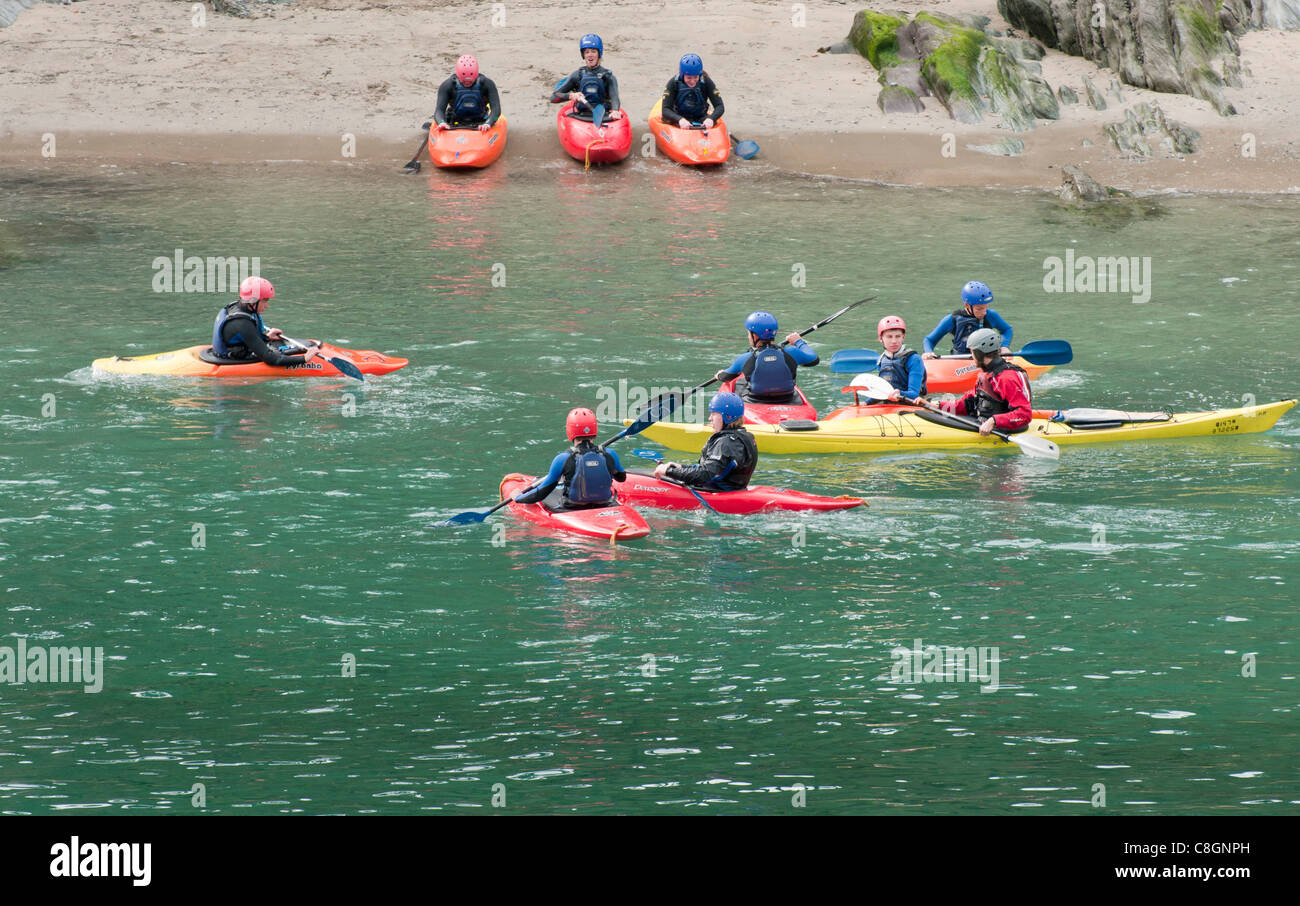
(904, 430)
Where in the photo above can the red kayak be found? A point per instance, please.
(643, 489)
(774, 413)
(613, 522)
(607, 145)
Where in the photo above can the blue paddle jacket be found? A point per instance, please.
(961, 326)
(574, 468)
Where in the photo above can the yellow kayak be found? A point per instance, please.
(906, 430)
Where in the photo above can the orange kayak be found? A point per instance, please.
(693, 147)
(467, 147)
(197, 361)
(957, 374)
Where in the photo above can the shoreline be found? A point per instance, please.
(885, 158)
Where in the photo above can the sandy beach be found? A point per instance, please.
(142, 81)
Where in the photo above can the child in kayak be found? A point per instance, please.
(902, 367)
(689, 96)
(592, 87)
(769, 370)
(1001, 396)
(974, 315)
(238, 333)
(729, 456)
(467, 98)
(582, 476)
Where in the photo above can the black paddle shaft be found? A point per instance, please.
(825, 321)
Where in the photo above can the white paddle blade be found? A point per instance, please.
(1037, 447)
(874, 384)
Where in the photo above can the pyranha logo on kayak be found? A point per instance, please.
(946, 664)
(103, 860)
(179, 274)
(1085, 274)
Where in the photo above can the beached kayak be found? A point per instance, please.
(467, 147)
(694, 147)
(773, 413)
(909, 429)
(198, 361)
(643, 489)
(607, 145)
(616, 523)
(957, 374)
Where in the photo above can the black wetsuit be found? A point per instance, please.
(726, 462)
(242, 334)
(447, 92)
(708, 93)
(609, 89)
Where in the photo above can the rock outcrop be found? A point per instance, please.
(1145, 125)
(1079, 186)
(955, 61)
(1177, 46)
(9, 10)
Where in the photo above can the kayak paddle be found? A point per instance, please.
(656, 458)
(473, 517)
(824, 321)
(1038, 352)
(744, 150)
(344, 365)
(413, 165)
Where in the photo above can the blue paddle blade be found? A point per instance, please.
(1047, 352)
(346, 367)
(660, 408)
(854, 361)
(470, 517)
(648, 454)
(747, 150)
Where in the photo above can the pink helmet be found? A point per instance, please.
(467, 68)
(256, 289)
(890, 322)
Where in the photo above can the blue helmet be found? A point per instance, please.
(728, 405)
(976, 293)
(761, 324)
(591, 41)
(691, 64)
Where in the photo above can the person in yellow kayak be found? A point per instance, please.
(239, 335)
(974, 314)
(902, 367)
(592, 87)
(467, 98)
(689, 96)
(730, 455)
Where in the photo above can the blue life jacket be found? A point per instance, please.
(691, 102)
(220, 345)
(963, 325)
(894, 369)
(469, 104)
(769, 372)
(591, 481)
(592, 86)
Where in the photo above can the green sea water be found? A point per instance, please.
(230, 545)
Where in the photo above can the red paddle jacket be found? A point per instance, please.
(1002, 392)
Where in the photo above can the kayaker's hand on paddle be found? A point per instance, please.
(793, 338)
(683, 123)
(1006, 350)
(708, 122)
(986, 426)
(575, 95)
(442, 127)
(311, 352)
(895, 395)
(275, 333)
(663, 468)
(483, 127)
(723, 376)
(928, 355)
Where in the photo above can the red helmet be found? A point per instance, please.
(580, 423)
(890, 322)
(467, 68)
(255, 289)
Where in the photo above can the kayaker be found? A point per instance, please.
(592, 88)
(729, 456)
(769, 370)
(467, 98)
(238, 333)
(690, 95)
(974, 315)
(902, 367)
(584, 473)
(1001, 396)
